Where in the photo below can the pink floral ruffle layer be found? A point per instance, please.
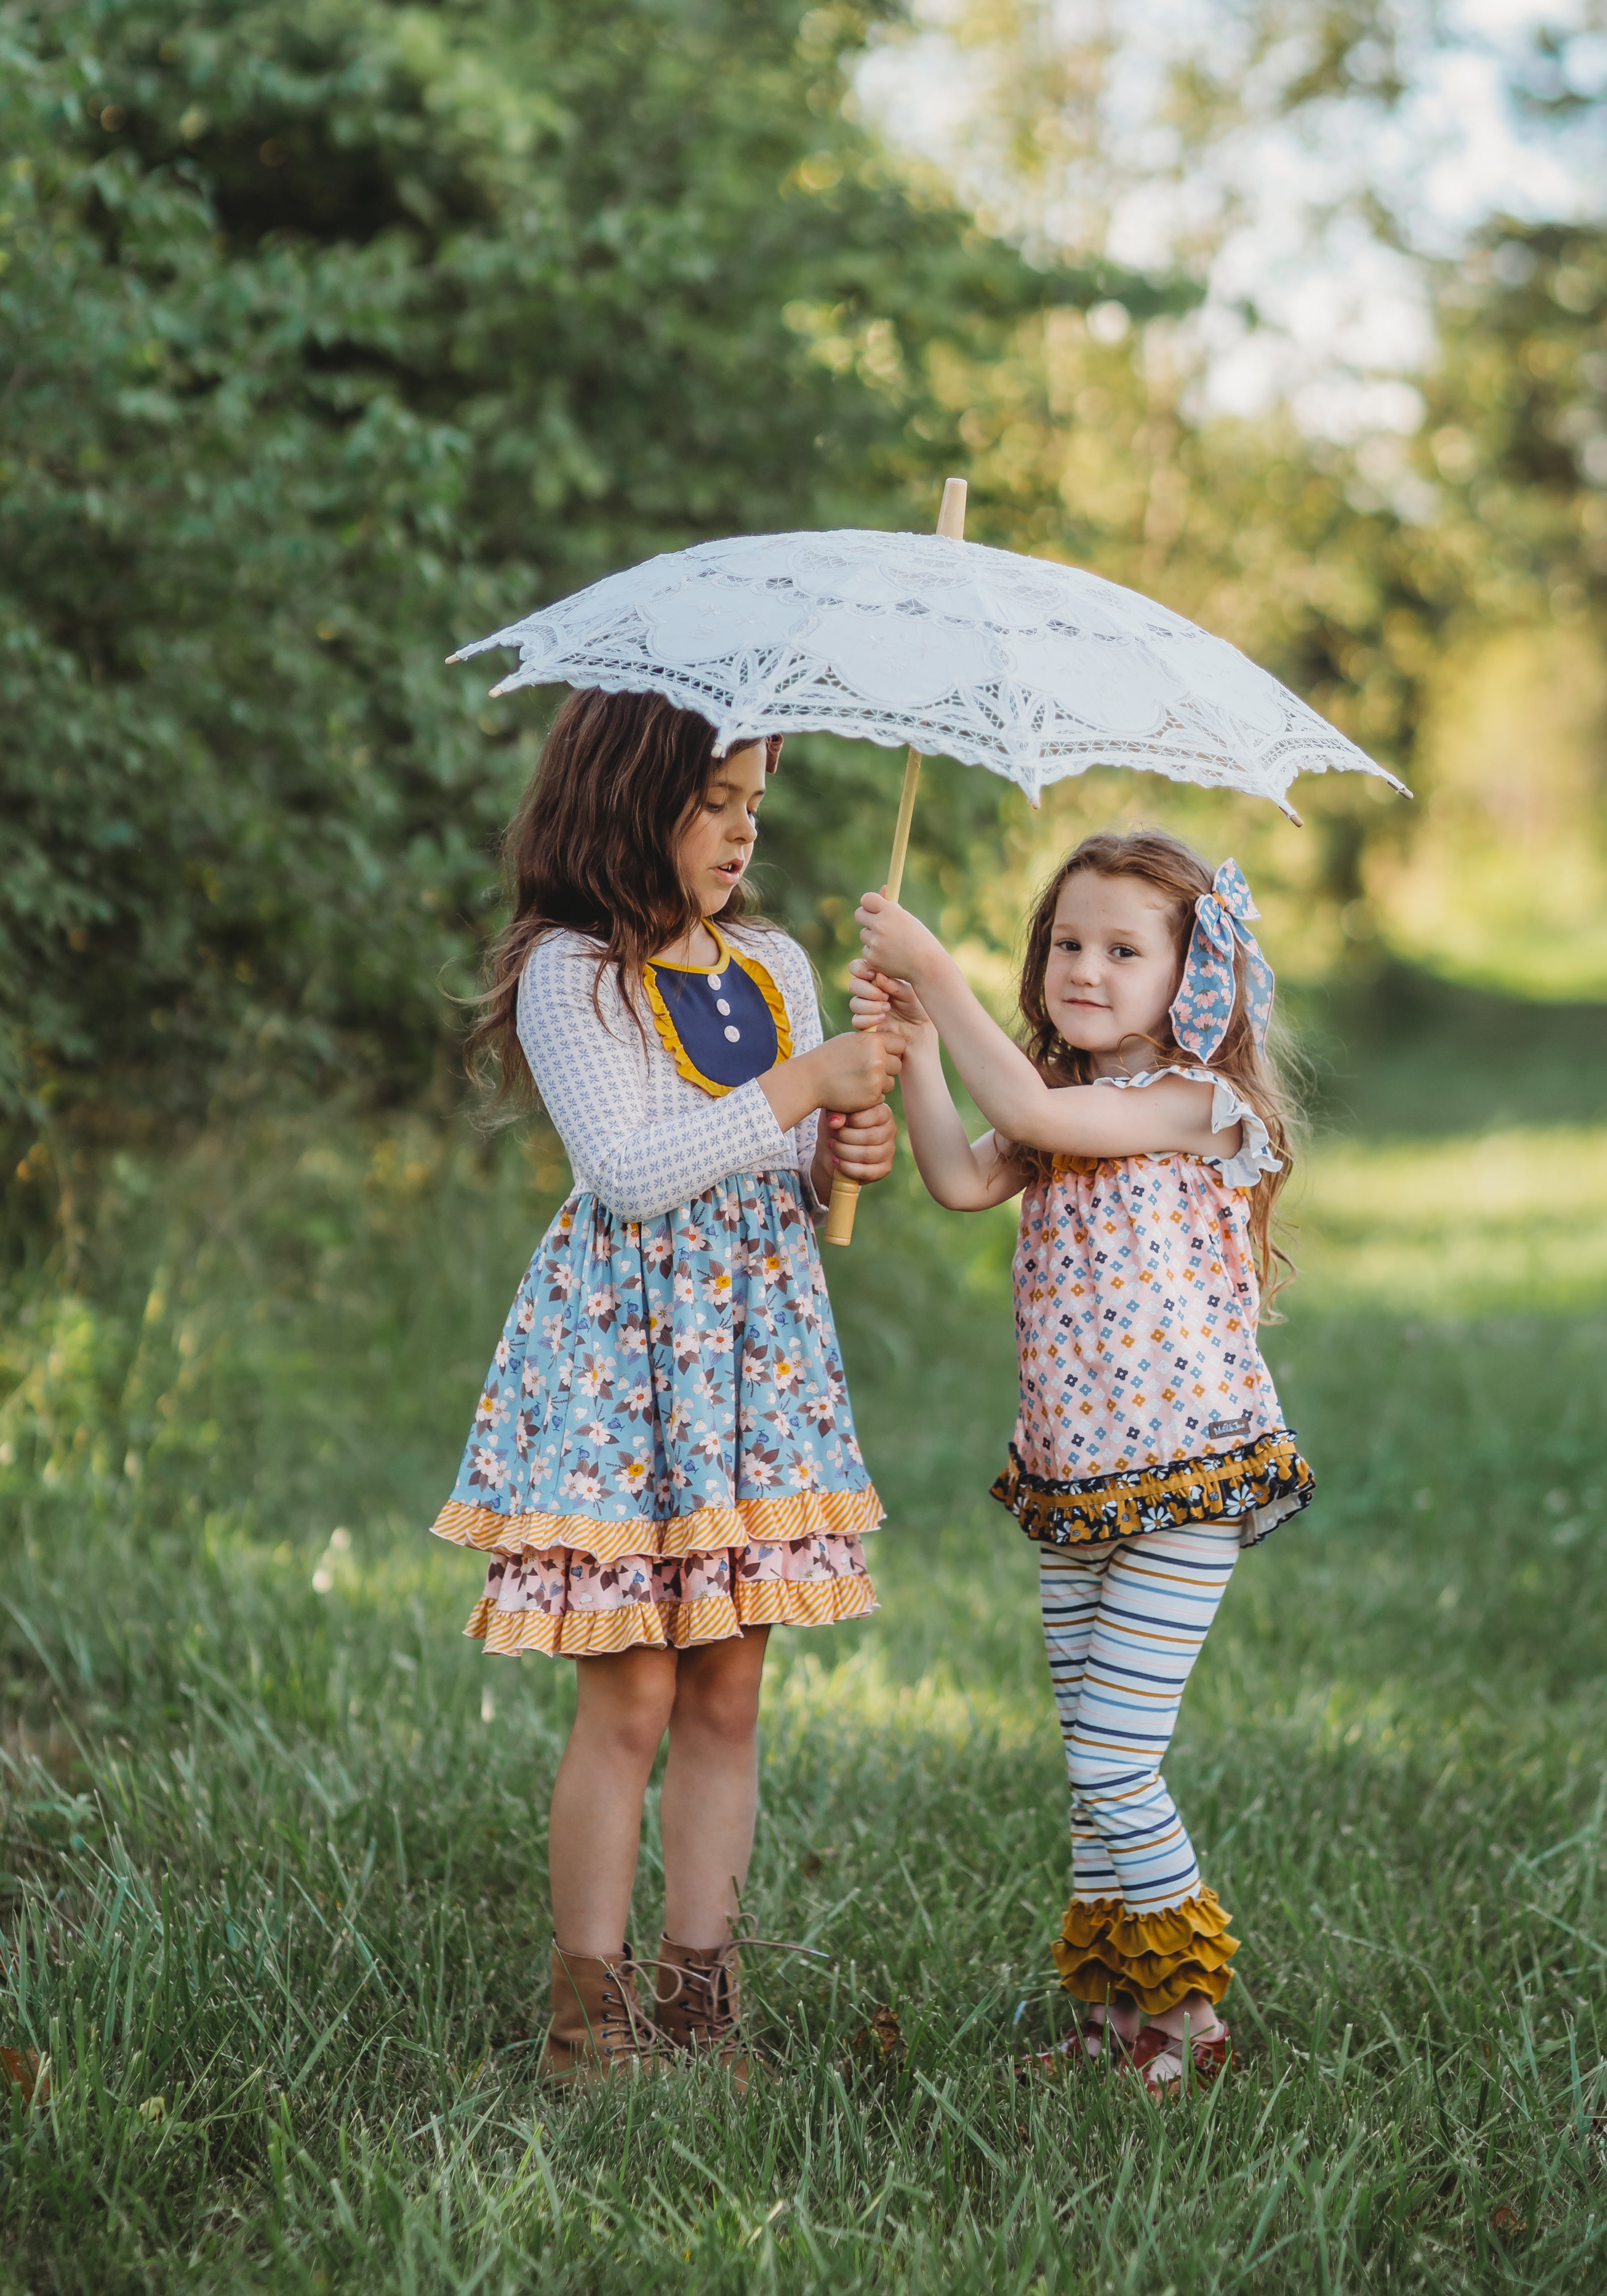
(566, 1603)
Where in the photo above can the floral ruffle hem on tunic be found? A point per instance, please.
(1257, 1484)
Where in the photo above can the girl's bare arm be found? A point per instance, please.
(962, 1174)
(1171, 1115)
(965, 1175)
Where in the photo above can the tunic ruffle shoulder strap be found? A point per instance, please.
(1228, 1108)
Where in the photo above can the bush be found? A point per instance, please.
(336, 333)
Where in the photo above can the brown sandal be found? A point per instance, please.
(1157, 2058)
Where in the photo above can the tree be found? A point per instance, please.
(331, 333)
(1440, 596)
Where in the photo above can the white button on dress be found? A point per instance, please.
(733, 1036)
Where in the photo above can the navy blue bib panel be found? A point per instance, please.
(722, 1026)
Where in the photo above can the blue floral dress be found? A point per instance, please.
(663, 1452)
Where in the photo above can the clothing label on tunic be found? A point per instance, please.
(1218, 1428)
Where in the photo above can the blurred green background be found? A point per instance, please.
(337, 332)
(332, 334)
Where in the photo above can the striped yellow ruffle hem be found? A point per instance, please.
(1156, 1959)
(761, 1521)
(671, 1625)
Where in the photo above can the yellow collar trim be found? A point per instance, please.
(669, 1036)
(669, 964)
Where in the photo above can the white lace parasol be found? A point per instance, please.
(1032, 669)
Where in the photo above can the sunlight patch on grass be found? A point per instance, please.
(1509, 1219)
(409, 1577)
(863, 1698)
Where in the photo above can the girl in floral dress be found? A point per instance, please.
(1148, 1131)
(663, 1465)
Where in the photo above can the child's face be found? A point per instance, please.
(1113, 966)
(718, 837)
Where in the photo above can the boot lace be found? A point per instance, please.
(624, 2028)
(709, 1981)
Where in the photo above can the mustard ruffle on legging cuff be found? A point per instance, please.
(1156, 1959)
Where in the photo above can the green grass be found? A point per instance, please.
(1402, 1054)
(272, 1835)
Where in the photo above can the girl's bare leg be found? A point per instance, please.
(623, 1708)
(1199, 2014)
(711, 1786)
(1122, 2014)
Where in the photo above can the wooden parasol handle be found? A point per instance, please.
(845, 1194)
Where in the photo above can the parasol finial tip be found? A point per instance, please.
(951, 518)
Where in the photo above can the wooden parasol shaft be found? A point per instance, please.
(845, 1194)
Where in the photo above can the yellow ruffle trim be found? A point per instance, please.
(669, 1036)
(672, 1625)
(763, 1522)
(1156, 1959)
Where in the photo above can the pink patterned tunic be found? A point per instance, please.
(1144, 1400)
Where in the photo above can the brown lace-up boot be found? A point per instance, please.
(599, 2027)
(700, 2015)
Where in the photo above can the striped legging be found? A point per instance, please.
(1124, 1625)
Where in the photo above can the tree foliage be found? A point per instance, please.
(1426, 590)
(335, 333)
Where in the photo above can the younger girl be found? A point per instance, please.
(663, 1463)
(1148, 1131)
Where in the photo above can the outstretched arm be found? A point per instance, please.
(965, 1176)
(1171, 1115)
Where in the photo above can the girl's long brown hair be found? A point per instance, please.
(592, 849)
(1176, 872)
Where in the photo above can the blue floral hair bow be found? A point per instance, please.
(1204, 1002)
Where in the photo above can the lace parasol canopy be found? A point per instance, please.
(1033, 670)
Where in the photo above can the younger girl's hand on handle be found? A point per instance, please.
(896, 943)
(869, 999)
(877, 997)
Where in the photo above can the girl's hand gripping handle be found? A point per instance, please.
(848, 1072)
(847, 1078)
(862, 1064)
